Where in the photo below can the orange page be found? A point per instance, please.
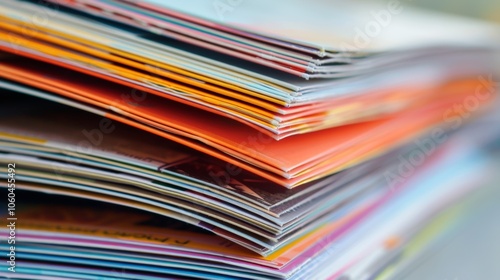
(323, 152)
(282, 123)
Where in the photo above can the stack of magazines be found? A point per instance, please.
(232, 139)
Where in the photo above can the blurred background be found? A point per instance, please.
(484, 9)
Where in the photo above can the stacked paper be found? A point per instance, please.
(153, 139)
